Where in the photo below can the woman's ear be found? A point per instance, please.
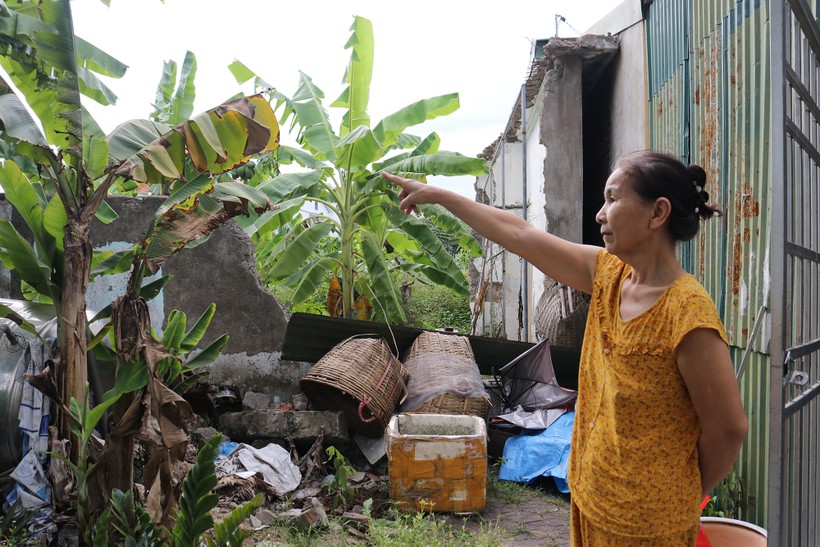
(661, 210)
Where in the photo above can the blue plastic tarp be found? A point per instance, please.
(536, 454)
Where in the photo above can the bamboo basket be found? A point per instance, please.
(361, 378)
(452, 354)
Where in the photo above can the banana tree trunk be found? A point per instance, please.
(73, 321)
(348, 266)
(131, 321)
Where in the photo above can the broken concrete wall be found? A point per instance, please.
(547, 147)
(222, 270)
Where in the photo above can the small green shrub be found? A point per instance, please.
(420, 529)
(433, 307)
(728, 498)
(340, 489)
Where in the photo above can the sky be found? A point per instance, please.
(424, 48)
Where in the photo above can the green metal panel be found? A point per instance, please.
(710, 105)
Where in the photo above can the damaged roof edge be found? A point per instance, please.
(596, 52)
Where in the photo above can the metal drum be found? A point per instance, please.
(11, 389)
(11, 375)
(42, 316)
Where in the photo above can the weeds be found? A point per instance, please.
(422, 529)
(14, 525)
(340, 489)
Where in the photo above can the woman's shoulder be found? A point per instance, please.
(606, 265)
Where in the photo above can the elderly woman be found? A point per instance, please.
(659, 419)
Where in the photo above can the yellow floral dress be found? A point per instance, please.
(634, 458)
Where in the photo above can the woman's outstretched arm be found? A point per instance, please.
(569, 263)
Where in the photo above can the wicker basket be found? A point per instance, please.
(361, 378)
(451, 354)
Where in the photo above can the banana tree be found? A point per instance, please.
(187, 159)
(341, 173)
(58, 181)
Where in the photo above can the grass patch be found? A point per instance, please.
(420, 530)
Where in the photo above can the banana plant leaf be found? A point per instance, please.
(197, 331)
(19, 255)
(387, 297)
(448, 164)
(21, 194)
(15, 118)
(130, 137)
(432, 245)
(174, 330)
(216, 141)
(7, 313)
(286, 184)
(299, 250)
(309, 277)
(283, 212)
(317, 135)
(170, 107)
(391, 127)
(358, 76)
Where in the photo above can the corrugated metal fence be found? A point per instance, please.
(734, 87)
(709, 82)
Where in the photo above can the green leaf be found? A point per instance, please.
(193, 514)
(20, 193)
(19, 255)
(238, 192)
(182, 104)
(358, 76)
(194, 336)
(165, 90)
(55, 220)
(390, 128)
(16, 120)
(317, 135)
(439, 277)
(241, 73)
(310, 277)
(358, 148)
(289, 154)
(227, 531)
(174, 330)
(288, 183)
(387, 295)
(271, 220)
(113, 263)
(52, 90)
(95, 156)
(8, 313)
(93, 58)
(447, 164)
(130, 377)
(92, 87)
(299, 250)
(105, 213)
(130, 137)
(207, 355)
(147, 292)
(432, 245)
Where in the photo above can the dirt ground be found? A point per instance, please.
(541, 517)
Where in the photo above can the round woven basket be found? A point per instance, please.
(447, 346)
(361, 378)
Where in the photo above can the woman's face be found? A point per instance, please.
(624, 217)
